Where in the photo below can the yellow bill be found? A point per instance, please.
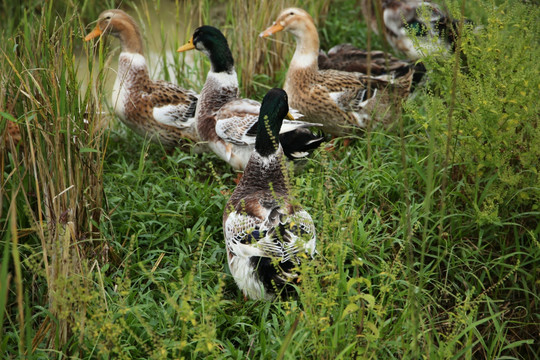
(188, 46)
(289, 116)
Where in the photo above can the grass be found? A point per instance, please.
(427, 232)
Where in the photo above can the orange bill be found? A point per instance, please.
(94, 34)
(272, 30)
(188, 46)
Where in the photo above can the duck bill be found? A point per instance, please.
(94, 34)
(289, 116)
(272, 30)
(188, 46)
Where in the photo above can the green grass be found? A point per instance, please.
(428, 232)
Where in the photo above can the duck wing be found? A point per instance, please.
(236, 121)
(280, 235)
(173, 105)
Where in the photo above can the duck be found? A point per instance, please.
(342, 101)
(159, 110)
(347, 57)
(228, 123)
(267, 233)
(415, 28)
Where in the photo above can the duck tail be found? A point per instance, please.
(299, 143)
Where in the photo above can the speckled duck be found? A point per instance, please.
(267, 233)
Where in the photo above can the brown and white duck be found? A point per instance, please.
(341, 101)
(267, 233)
(228, 123)
(157, 109)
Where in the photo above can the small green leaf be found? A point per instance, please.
(8, 116)
(351, 308)
(370, 299)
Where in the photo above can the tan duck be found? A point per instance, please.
(414, 27)
(162, 111)
(227, 123)
(341, 101)
(267, 233)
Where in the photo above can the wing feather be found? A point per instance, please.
(237, 122)
(280, 236)
(172, 105)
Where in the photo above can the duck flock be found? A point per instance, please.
(267, 232)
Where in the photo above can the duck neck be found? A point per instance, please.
(131, 65)
(267, 141)
(130, 38)
(307, 47)
(222, 61)
(219, 88)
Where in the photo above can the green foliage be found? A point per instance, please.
(427, 238)
(51, 180)
(343, 24)
(494, 136)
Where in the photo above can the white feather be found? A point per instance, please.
(246, 279)
(223, 78)
(236, 156)
(335, 96)
(291, 125)
(244, 105)
(365, 102)
(299, 155)
(127, 64)
(168, 115)
(133, 59)
(361, 119)
(236, 227)
(301, 60)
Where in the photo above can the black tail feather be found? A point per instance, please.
(299, 143)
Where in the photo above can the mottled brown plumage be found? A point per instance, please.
(346, 57)
(341, 101)
(162, 111)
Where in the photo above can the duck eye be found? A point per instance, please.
(291, 13)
